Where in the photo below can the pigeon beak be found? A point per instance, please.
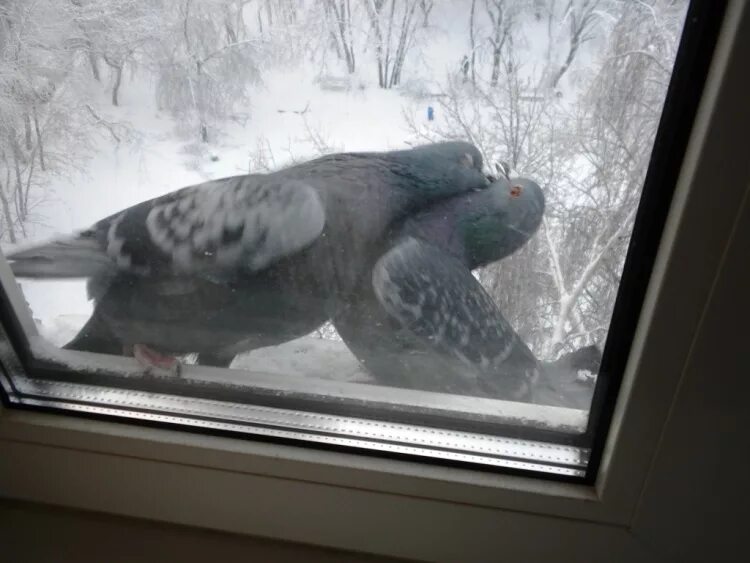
(503, 169)
(489, 174)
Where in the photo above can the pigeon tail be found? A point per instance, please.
(73, 257)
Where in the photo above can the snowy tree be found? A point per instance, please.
(590, 156)
(501, 15)
(570, 25)
(613, 132)
(394, 26)
(37, 68)
(113, 32)
(339, 16)
(205, 63)
(504, 121)
(425, 7)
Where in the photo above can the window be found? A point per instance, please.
(151, 98)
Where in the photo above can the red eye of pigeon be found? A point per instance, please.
(515, 191)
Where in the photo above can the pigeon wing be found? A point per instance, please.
(245, 221)
(242, 222)
(437, 298)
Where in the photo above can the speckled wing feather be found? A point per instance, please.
(242, 222)
(436, 297)
(246, 220)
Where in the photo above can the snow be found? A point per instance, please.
(586, 376)
(311, 357)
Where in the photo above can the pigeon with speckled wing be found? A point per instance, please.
(423, 321)
(232, 264)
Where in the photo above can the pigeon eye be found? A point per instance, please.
(515, 191)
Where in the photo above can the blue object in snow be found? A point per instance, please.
(430, 113)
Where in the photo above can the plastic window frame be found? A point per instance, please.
(698, 228)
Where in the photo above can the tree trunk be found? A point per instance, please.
(229, 27)
(94, 66)
(495, 66)
(269, 13)
(116, 87)
(116, 66)
(387, 72)
(574, 44)
(7, 215)
(336, 46)
(27, 130)
(500, 32)
(24, 195)
(580, 25)
(17, 157)
(334, 37)
(203, 127)
(39, 138)
(472, 41)
(350, 62)
(292, 11)
(343, 16)
(403, 44)
(89, 47)
(373, 11)
(426, 6)
(350, 39)
(195, 93)
(19, 199)
(346, 35)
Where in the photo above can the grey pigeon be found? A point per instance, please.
(246, 261)
(450, 337)
(423, 321)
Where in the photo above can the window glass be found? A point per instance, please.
(415, 212)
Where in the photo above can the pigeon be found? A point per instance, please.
(423, 321)
(454, 356)
(245, 261)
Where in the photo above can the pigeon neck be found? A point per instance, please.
(484, 241)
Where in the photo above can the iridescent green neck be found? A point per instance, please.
(482, 239)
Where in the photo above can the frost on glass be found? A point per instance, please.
(106, 104)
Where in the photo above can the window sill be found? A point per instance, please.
(283, 492)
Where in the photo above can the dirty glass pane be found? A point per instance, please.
(423, 205)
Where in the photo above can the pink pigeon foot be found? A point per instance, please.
(156, 362)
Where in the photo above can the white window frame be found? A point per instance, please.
(410, 509)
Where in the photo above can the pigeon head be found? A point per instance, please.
(498, 221)
(442, 169)
(481, 227)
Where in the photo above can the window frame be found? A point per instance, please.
(524, 438)
(255, 488)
